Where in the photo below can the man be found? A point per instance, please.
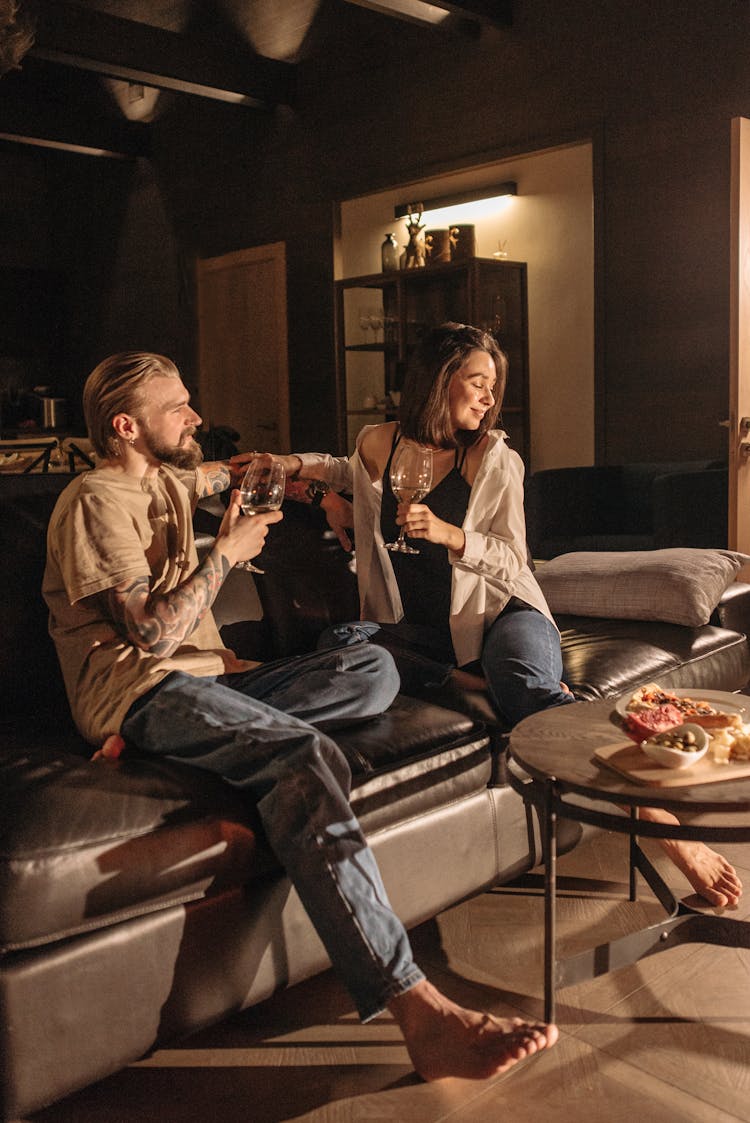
(130, 613)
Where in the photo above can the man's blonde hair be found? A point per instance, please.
(116, 386)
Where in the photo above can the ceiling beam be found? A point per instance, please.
(57, 107)
(136, 52)
(497, 12)
(467, 15)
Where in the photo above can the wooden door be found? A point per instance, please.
(242, 345)
(739, 342)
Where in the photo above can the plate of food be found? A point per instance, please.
(653, 708)
(700, 735)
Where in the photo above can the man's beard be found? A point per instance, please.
(187, 454)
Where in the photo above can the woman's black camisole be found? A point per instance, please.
(424, 579)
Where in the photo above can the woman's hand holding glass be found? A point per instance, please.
(411, 479)
(418, 521)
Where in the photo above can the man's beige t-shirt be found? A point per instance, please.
(107, 527)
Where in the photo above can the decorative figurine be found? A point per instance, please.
(414, 258)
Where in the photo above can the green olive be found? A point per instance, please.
(685, 742)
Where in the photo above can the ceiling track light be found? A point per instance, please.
(498, 13)
(471, 195)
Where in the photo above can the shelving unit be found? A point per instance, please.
(397, 307)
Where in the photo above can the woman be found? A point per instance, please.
(468, 603)
(468, 600)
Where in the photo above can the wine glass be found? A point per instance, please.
(411, 479)
(262, 489)
(376, 321)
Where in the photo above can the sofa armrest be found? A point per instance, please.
(733, 610)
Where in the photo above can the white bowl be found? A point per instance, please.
(677, 758)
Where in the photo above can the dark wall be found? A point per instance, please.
(381, 102)
(54, 248)
(88, 265)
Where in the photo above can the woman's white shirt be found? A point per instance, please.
(493, 566)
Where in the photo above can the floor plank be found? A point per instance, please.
(667, 1038)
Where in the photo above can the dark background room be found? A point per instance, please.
(98, 253)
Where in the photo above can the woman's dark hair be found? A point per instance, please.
(424, 413)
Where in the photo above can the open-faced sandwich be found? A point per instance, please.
(651, 698)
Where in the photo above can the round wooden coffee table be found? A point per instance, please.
(554, 767)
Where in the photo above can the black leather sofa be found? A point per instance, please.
(649, 506)
(138, 901)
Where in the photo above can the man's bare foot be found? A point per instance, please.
(709, 873)
(444, 1039)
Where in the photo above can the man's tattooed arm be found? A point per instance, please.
(215, 477)
(160, 624)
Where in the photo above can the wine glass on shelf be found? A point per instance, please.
(411, 479)
(262, 489)
(376, 321)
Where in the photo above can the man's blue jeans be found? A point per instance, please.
(258, 730)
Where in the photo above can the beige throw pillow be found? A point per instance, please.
(677, 586)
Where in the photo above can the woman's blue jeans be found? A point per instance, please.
(522, 662)
(262, 731)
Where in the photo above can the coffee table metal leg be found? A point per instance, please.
(682, 924)
(550, 902)
(633, 858)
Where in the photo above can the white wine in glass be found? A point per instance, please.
(411, 479)
(261, 490)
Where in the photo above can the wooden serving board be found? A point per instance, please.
(632, 763)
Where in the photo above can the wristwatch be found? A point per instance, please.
(317, 491)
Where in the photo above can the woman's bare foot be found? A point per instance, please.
(709, 873)
(444, 1039)
(468, 681)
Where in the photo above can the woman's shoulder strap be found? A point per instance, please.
(376, 445)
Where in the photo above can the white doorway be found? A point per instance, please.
(739, 340)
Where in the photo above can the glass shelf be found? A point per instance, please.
(373, 409)
(378, 348)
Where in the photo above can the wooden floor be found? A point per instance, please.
(666, 1040)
